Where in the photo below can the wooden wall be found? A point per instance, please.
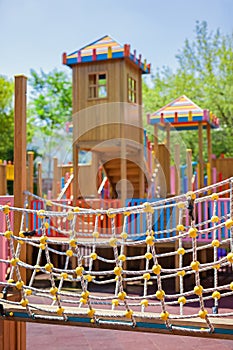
(93, 119)
(107, 124)
(12, 333)
(224, 167)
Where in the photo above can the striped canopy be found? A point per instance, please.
(183, 114)
(102, 49)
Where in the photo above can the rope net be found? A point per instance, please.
(120, 277)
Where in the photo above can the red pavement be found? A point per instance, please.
(51, 337)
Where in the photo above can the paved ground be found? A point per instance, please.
(52, 337)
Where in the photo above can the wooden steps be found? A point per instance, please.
(112, 169)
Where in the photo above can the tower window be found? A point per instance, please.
(97, 85)
(132, 91)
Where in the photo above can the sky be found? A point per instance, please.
(35, 33)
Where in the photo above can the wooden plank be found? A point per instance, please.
(145, 322)
(130, 171)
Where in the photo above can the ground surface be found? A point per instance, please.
(53, 337)
(50, 337)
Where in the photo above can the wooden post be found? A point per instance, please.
(76, 171)
(209, 150)
(20, 155)
(156, 141)
(141, 175)
(30, 171)
(201, 160)
(189, 168)
(168, 127)
(177, 189)
(13, 334)
(19, 146)
(177, 168)
(30, 184)
(123, 183)
(55, 178)
(39, 179)
(164, 160)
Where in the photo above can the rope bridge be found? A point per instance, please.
(130, 287)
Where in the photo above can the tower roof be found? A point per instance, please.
(103, 49)
(183, 114)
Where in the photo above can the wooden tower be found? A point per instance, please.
(107, 116)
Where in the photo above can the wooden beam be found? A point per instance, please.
(177, 192)
(189, 168)
(19, 146)
(168, 136)
(30, 183)
(152, 323)
(209, 150)
(55, 178)
(141, 175)
(201, 160)
(123, 173)
(20, 134)
(164, 177)
(30, 171)
(39, 179)
(177, 168)
(156, 141)
(76, 173)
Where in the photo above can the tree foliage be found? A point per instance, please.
(205, 75)
(50, 108)
(7, 119)
(51, 100)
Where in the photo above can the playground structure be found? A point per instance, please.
(79, 240)
(77, 257)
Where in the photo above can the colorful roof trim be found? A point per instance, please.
(102, 49)
(183, 114)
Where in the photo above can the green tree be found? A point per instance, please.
(205, 75)
(7, 119)
(50, 108)
(51, 99)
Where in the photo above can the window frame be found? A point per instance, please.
(96, 85)
(131, 89)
